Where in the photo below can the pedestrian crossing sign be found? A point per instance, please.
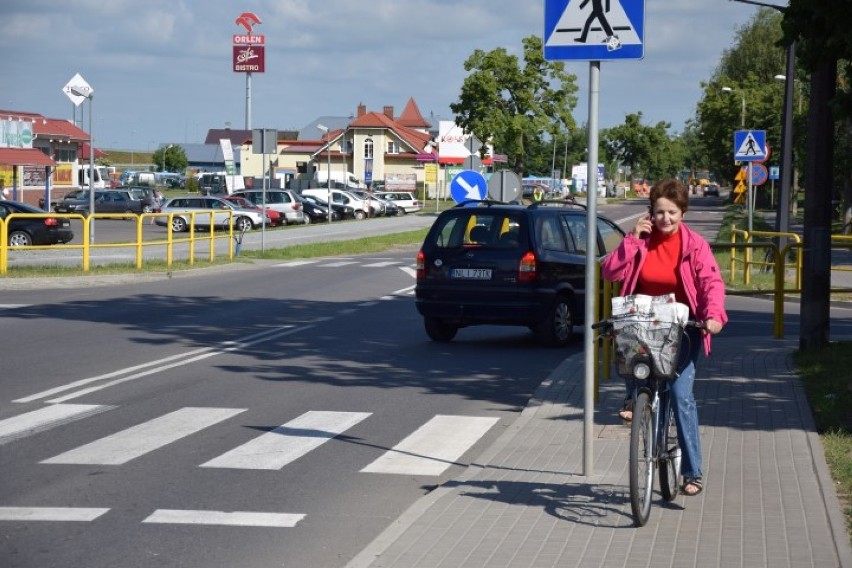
(594, 30)
(750, 145)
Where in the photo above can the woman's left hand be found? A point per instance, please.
(712, 326)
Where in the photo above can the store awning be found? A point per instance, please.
(24, 157)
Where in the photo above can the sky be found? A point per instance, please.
(161, 70)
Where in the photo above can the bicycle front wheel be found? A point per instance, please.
(641, 459)
(670, 461)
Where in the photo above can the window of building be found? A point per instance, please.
(393, 147)
(368, 148)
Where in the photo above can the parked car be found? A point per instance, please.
(361, 208)
(108, 201)
(508, 264)
(338, 210)
(315, 212)
(28, 231)
(151, 198)
(243, 219)
(276, 218)
(378, 207)
(285, 201)
(711, 189)
(406, 201)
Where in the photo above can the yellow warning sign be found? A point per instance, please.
(740, 198)
(741, 187)
(741, 175)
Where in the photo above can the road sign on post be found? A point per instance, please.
(750, 145)
(594, 30)
(468, 185)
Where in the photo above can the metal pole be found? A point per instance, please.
(248, 100)
(742, 115)
(328, 181)
(591, 270)
(782, 216)
(91, 173)
(553, 165)
(750, 199)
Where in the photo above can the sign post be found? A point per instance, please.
(750, 146)
(581, 30)
(249, 56)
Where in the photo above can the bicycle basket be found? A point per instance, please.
(650, 339)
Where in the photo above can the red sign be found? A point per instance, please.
(759, 174)
(248, 58)
(249, 39)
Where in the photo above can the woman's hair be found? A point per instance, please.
(672, 189)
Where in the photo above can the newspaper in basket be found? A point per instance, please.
(650, 328)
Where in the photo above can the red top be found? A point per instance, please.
(659, 274)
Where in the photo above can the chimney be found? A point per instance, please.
(362, 110)
(389, 111)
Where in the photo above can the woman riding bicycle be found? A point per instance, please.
(661, 256)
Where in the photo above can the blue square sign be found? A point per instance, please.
(750, 145)
(594, 30)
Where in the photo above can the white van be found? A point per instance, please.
(83, 178)
(361, 207)
(345, 179)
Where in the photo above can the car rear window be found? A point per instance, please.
(479, 229)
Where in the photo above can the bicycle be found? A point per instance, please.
(647, 349)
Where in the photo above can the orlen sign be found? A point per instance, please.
(248, 47)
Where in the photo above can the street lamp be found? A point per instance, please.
(90, 96)
(328, 179)
(742, 114)
(166, 149)
(132, 132)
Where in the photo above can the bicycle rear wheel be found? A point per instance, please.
(641, 459)
(670, 463)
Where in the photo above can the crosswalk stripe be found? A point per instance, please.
(297, 263)
(229, 518)
(382, 264)
(133, 442)
(339, 263)
(289, 441)
(433, 447)
(45, 418)
(50, 513)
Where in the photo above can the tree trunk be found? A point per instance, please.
(816, 266)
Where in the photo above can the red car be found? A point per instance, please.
(276, 218)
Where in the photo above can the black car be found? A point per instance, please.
(106, 201)
(28, 231)
(338, 210)
(711, 189)
(507, 264)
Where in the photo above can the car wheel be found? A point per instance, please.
(307, 219)
(179, 224)
(243, 224)
(438, 330)
(402, 211)
(557, 327)
(20, 239)
(360, 215)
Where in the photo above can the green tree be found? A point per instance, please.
(171, 158)
(511, 104)
(648, 151)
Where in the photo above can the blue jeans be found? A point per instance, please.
(683, 402)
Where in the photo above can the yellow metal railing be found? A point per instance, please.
(139, 243)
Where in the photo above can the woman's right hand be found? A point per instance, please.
(643, 225)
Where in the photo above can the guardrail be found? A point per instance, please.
(139, 244)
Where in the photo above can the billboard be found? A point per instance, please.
(249, 58)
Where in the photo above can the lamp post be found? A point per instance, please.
(166, 149)
(328, 179)
(132, 132)
(90, 96)
(743, 112)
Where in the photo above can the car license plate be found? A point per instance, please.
(471, 273)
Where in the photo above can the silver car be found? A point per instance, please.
(284, 201)
(222, 212)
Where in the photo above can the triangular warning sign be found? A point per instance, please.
(741, 175)
(740, 188)
(583, 23)
(750, 147)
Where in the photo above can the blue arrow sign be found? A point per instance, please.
(750, 145)
(594, 30)
(468, 185)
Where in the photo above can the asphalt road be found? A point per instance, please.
(242, 417)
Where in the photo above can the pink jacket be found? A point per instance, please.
(699, 272)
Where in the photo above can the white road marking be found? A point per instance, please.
(131, 443)
(45, 418)
(50, 513)
(228, 518)
(297, 263)
(190, 357)
(381, 264)
(338, 263)
(408, 270)
(289, 441)
(433, 447)
(403, 291)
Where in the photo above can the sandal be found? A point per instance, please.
(626, 412)
(692, 486)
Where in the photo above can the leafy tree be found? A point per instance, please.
(512, 104)
(648, 151)
(171, 158)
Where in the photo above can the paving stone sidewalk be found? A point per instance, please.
(768, 499)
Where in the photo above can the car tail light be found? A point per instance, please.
(421, 265)
(51, 222)
(527, 269)
(297, 206)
